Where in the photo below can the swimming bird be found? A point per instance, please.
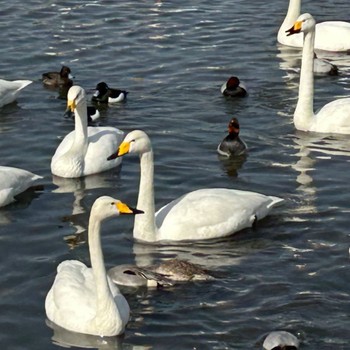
(105, 94)
(84, 299)
(63, 78)
(330, 35)
(334, 117)
(323, 66)
(84, 150)
(198, 215)
(9, 90)
(232, 145)
(281, 340)
(92, 114)
(165, 273)
(234, 88)
(14, 181)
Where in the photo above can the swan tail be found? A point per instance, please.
(275, 201)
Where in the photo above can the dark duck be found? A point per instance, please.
(105, 94)
(234, 88)
(232, 145)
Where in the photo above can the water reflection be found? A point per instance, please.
(65, 338)
(79, 216)
(311, 147)
(231, 165)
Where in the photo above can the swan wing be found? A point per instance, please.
(332, 36)
(72, 293)
(212, 213)
(10, 89)
(103, 141)
(334, 117)
(14, 181)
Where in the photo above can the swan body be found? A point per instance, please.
(14, 181)
(232, 144)
(334, 117)
(9, 90)
(198, 215)
(105, 94)
(165, 273)
(83, 299)
(281, 340)
(330, 35)
(84, 150)
(233, 88)
(63, 78)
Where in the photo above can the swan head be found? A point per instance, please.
(136, 141)
(305, 23)
(107, 207)
(76, 96)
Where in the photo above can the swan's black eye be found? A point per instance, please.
(113, 203)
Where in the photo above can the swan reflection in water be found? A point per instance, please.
(310, 149)
(79, 216)
(68, 339)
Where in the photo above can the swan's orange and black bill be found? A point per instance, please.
(295, 29)
(122, 149)
(125, 209)
(113, 156)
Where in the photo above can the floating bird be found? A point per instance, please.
(58, 79)
(323, 66)
(234, 88)
(334, 117)
(84, 299)
(14, 181)
(232, 145)
(166, 273)
(330, 35)
(84, 150)
(92, 114)
(198, 215)
(281, 340)
(105, 94)
(10, 89)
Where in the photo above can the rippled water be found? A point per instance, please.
(291, 272)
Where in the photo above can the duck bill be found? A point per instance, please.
(295, 29)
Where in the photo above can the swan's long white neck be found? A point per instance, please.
(304, 113)
(103, 293)
(145, 226)
(81, 139)
(291, 16)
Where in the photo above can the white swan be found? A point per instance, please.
(330, 35)
(198, 215)
(83, 151)
(10, 89)
(14, 181)
(83, 299)
(334, 117)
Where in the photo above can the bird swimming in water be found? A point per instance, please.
(232, 144)
(234, 88)
(166, 273)
(105, 94)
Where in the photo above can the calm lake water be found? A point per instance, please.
(290, 273)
